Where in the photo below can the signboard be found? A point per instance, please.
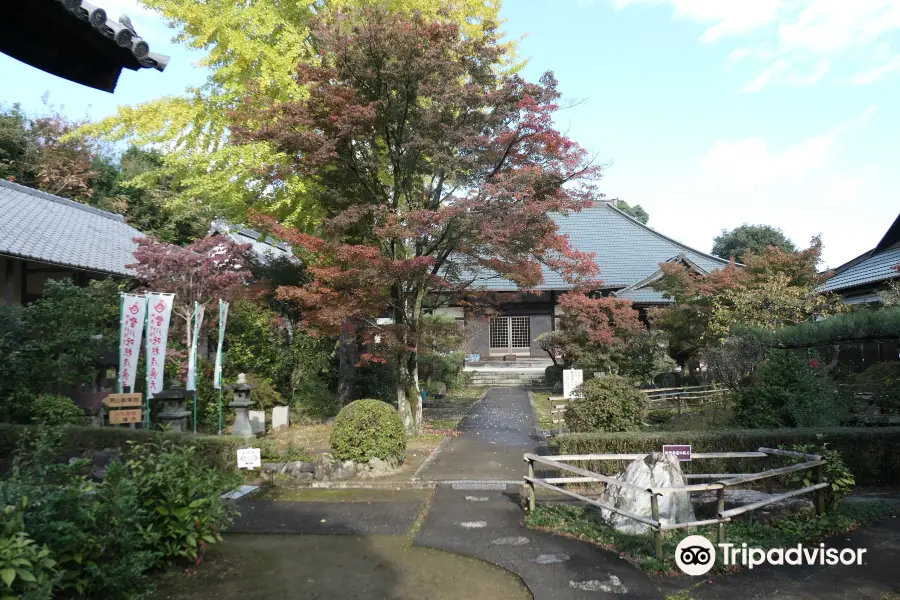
(125, 415)
(680, 451)
(248, 458)
(159, 311)
(123, 400)
(572, 378)
(131, 326)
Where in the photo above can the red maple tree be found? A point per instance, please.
(436, 166)
(209, 269)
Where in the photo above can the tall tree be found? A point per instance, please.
(750, 239)
(636, 212)
(251, 47)
(435, 166)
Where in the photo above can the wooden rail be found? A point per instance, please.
(723, 482)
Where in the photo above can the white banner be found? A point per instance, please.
(159, 312)
(223, 316)
(131, 327)
(199, 309)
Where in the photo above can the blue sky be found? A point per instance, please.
(709, 113)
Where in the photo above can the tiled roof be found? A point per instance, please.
(46, 228)
(878, 267)
(121, 33)
(626, 250)
(262, 248)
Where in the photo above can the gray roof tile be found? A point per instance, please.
(878, 267)
(46, 228)
(626, 251)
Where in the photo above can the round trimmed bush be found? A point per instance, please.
(553, 375)
(609, 403)
(368, 429)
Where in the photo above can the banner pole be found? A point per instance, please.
(147, 365)
(121, 328)
(220, 409)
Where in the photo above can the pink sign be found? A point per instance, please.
(130, 331)
(159, 312)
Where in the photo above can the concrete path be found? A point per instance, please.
(496, 433)
(484, 520)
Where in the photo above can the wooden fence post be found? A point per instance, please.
(820, 493)
(720, 507)
(530, 486)
(657, 533)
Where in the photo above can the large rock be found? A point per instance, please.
(655, 470)
(706, 504)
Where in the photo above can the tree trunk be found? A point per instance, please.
(409, 400)
(348, 357)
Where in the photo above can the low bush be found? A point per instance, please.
(57, 411)
(161, 505)
(608, 403)
(869, 452)
(789, 390)
(553, 375)
(367, 429)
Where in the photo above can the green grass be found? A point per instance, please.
(582, 522)
(700, 418)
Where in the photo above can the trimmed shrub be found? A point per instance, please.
(57, 411)
(609, 403)
(871, 453)
(553, 375)
(786, 390)
(367, 429)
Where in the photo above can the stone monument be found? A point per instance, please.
(241, 405)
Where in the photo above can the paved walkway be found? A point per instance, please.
(495, 435)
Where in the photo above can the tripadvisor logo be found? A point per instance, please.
(696, 555)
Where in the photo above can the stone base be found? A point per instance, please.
(798, 507)
(327, 469)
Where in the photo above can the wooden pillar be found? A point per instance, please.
(530, 486)
(720, 508)
(820, 493)
(657, 532)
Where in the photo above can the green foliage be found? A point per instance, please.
(367, 429)
(636, 212)
(750, 239)
(869, 452)
(553, 343)
(837, 474)
(553, 375)
(182, 498)
(102, 539)
(859, 325)
(786, 390)
(608, 403)
(26, 569)
(646, 357)
(57, 411)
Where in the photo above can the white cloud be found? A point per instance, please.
(801, 32)
(751, 163)
(873, 75)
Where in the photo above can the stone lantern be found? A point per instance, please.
(174, 413)
(241, 405)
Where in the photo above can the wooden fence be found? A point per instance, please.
(723, 482)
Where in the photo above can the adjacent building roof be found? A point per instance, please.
(263, 248)
(42, 227)
(870, 268)
(75, 40)
(627, 252)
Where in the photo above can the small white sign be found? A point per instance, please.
(248, 458)
(572, 378)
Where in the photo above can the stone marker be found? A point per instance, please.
(257, 421)
(655, 470)
(281, 417)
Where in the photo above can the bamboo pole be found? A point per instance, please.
(672, 526)
(820, 493)
(530, 480)
(583, 472)
(657, 532)
(594, 503)
(748, 507)
(790, 453)
(695, 455)
(772, 472)
(720, 508)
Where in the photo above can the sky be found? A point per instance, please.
(708, 113)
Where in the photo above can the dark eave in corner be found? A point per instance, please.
(75, 40)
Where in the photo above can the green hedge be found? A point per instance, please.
(214, 450)
(872, 454)
(859, 325)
